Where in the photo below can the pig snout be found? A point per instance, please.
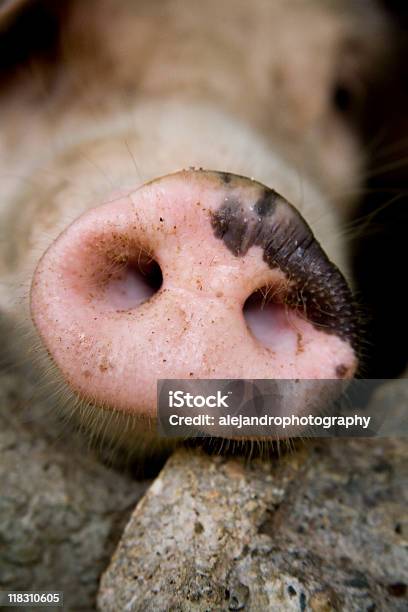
(197, 274)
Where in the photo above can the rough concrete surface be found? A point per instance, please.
(324, 528)
(61, 510)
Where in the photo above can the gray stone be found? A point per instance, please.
(61, 511)
(322, 528)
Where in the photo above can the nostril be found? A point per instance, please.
(114, 274)
(131, 283)
(268, 317)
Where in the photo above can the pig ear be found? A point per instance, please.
(29, 31)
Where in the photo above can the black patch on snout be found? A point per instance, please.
(317, 288)
(229, 225)
(265, 204)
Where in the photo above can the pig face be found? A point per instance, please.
(132, 269)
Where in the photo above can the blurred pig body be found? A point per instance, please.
(141, 90)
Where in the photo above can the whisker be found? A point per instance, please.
(138, 173)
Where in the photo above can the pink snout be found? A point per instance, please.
(194, 275)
